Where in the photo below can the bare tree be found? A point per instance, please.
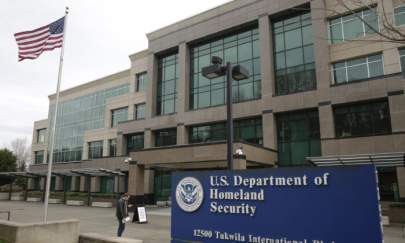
(388, 31)
(22, 151)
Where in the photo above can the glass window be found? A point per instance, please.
(354, 25)
(399, 13)
(363, 119)
(402, 57)
(107, 184)
(39, 157)
(139, 111)
(207, 133)
(77, 116)
(166, 137)
(294, 54)
(41, 135)
(358, 69)
(241, 47)
(167, 84)
(95, 149)
(298, 137)
(67, 183)
(119, 115)
(112, 144)
(141, 82)
(247, 130)
(135, 142)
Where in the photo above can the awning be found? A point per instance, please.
(379, 160)
(97, 172)
(16, 174)
(78, 172)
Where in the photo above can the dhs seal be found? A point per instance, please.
(189, 194)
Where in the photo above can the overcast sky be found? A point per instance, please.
(100, 36)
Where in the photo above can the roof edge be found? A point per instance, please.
(139, 54)
(107, 78)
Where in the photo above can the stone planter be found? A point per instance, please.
(33, 199)
(55, 200)
(102, 204)
(161, 203)
(75, 203)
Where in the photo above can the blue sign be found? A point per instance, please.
(284, 205)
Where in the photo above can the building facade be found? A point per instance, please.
(321, 83)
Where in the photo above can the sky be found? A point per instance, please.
(100, 34)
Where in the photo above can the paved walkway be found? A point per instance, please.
(100, 220)
(103, 221)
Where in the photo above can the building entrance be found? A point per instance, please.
(388, 184)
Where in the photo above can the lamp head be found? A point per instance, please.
(213, 71)
(239, 73)
(216, 60)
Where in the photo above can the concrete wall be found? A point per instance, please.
(66, 231)
(42, 124)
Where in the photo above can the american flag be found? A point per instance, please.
(33, 42)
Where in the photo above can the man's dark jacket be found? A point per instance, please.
(122, 209)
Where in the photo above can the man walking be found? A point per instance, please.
(122, 213)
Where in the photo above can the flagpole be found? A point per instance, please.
(49, 175)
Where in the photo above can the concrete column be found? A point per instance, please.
(397, 111)
(30, 184)
(58, 183)
(182, 137)
(42, 183)
(82, 184)
(119, 184)
(150, 109)
(266, 59)
(239, 162)
(269, 130)
(85, 153)
(107, 118)
(45, 161)
(391, 61)
(136, 182)
(401, 181)
(121, 145)
(326, 121)
(131, 112)
(106, 148)
(73, 183)
(149, 181)
(183, 84)
(320, 38)
(148, 186)
(148, 139)
(95, 184)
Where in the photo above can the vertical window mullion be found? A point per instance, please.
(362, 23)
(368, 68)
(347, 74)
(343, 30)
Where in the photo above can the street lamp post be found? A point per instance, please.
(238, 73)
